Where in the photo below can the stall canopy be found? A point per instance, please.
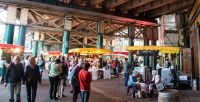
(53, 53)
(89, 51)
(120, 53)
(161, 49)
(9, 48)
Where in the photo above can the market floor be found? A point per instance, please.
(101, 91)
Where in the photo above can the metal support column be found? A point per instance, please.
(130, 54)
(66, 40)
(35, 44)
(131, 32)
(100, 45)
(35, 48)
(8, 38)
(41, 45)
(146, 58)
(100, 30)
(153, 58)
(21, 36)
(85, 42)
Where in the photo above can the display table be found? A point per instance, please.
(94, 74)
(106, 74)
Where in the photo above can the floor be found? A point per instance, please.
(101, 91)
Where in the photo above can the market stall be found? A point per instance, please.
(8, 49)
(91, 51)
(165, 73)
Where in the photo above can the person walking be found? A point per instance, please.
(54, 76)
(2, 69)
(74, 80)
(85, 78)
(13, 77)
(41, 65)
(62, 81)
(127, 69)
(117, 67)
(31, 79)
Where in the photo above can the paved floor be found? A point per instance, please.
(102, 91)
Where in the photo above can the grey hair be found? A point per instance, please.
(17, 58)
(135, 73)
(154, 72)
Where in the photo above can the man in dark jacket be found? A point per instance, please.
(13, 77)
(63, 76)
(117, 67)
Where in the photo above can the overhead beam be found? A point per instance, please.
(56, 9)
(95, 2)
(152, 5)
(133, 4)
(55, 25)
(114, 3)
(54, 38)
(33, 19)
(180, 4)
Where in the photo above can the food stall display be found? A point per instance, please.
(8, 49)
(94, 69)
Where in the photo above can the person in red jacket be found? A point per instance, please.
(85, 79)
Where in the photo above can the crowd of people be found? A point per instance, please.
(28, 71)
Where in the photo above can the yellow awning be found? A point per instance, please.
(162, 49)
(89, 51)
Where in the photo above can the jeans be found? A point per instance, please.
(85, 96)
(135, 87)
(41, 71)
(14, 87)
(53, 86)
(76, 91)
(126, 76)
(117, 71)
(32, 86)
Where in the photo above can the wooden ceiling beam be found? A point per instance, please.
(180, 4)
(114, 3)
(152, 5)
(33, 19)
(95, 2)
(133, 4)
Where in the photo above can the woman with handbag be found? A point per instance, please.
(2, 69)
(31, 78)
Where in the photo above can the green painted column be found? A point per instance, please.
(153, 58)
(130, 54)
(35, 48)
(9, 33)
(41, 45)
(8, 39)
(100, 45)
(146, 58)
(66, 40)
(21, 36)
(131, 32)
(84, 46)
(99, 41)
(31, 42)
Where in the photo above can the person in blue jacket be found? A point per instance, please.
(133, 82)
(41, 65)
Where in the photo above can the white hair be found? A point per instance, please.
(154, 72)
